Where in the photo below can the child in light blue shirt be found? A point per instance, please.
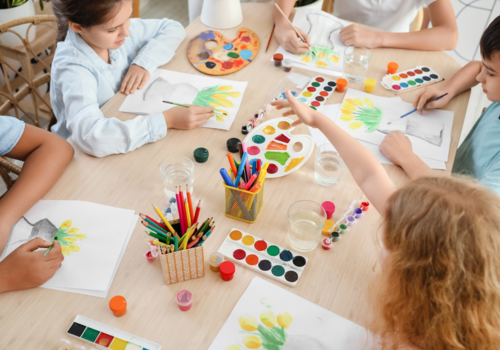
(479, 155)
(105, 51)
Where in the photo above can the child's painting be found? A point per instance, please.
(270, 318)
(164, 85)
(323, 29)
(366, 117)
(92, 238)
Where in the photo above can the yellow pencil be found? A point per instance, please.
(164, 219)
(188, 215)
(188, 236)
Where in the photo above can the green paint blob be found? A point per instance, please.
(273, 338)
(420, 81)
(411, 82)
(233, 55)
(258, 139)
(278, 271)
(370, 117)
(315, 84)
(313, 107)
(280, 157)
(273, 250)
(90, 334)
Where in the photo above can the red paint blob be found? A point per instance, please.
(253, 150)
(272, 169)
(239, 254)
(404, 76)
(245, 39)
(320, 80)
(323, 93)
(104, 339)
(281, 138)
(312, 89)
(396, 87)
(315, 103)
(260, 245)
(411, 74)
(228, 64)
(418, 71)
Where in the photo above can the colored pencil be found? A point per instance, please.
(148, 218)
(191, 212)
(177, 104)
(164, 219)
(179, 209)
(183, 207)
(270, 37)
(407, 114)
(158, 237)
(262, 176)
(155, 242)
(255, 188)
(197, 214)
(192, 243)
(154, 229)
(152, 223)
(205, 238)
(296, 31)
(51, 246)
(188, 214)
(176, 243)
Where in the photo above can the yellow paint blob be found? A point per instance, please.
(306, 59)
(355, 125)
(369, 102)
(346, 117)
(248, 240)
(321, 55)
(334, 58)
(321, 64)
(348, 106)
(395, 77)
(235, 235)
(118, 344)
(293, 163)
(269, 130)
(221, 56)
(345, 111)
(307, 93)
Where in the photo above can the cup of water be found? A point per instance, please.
(328, 166)
(305, 223)
(177, 171)
(356, 61)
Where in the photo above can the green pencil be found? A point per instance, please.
(157, 231)
(177, 104)
(176, 243)
(158, 237)
(50, 248)
(151, 222)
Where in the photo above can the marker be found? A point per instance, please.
(255, 188)
(232, 164)
(250, 182)
(226, 178)
(437, 98)
(240, 170)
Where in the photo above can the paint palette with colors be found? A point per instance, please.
(264, 257)
(317, 92)
(273, 142)
(411, 78)
(106, 337)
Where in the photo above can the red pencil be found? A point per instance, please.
(183, 207)
(198, 208)
(191, 212)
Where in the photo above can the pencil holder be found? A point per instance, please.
(243, 205)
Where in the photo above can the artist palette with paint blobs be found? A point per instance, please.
(410, 78)
(264, 257)
(226, 56)
(274, 143)
(317, 92)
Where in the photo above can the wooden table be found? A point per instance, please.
(335, 280)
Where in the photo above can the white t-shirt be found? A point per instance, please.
(389, 15)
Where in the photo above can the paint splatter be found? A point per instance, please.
(293, 163)
(276, 146)
(258, 139)
(204, 55)
(280, 157)
(210, 64)
(245, 39)
(227, 65)
(253, 150)
(272, 169)
(246, 54)
(284, 125)
(228, 46)
(269, 130)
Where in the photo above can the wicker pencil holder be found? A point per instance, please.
(243, 205)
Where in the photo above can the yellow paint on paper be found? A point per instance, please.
(293, 163)
(248, 240)
(334, 58)
(321, 64)
(346, 117)
(358, 102)
(355, 125)
(345, 111)
(348, 106)
(306, 59)
(369, 102)
(269, 130)
(321, 55)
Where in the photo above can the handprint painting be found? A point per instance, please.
(268, 317)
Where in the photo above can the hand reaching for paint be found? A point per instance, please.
(290, 41)
(135, 79)
(26, 268)
(187, 118)
(358, 35)
(429, 94)
(306, 115)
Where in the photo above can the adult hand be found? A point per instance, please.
(396, 146)
(306, 115)
(187, 118)
(357, 35)
(429, 94)
(26, 268)
(290, 41)
(135, 79)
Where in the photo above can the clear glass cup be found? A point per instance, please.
(305, 223)
(328, 166)
(356, 61)
(177, 171)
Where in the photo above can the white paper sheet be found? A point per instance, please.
(311, 327)
(93, 240)
(182, 88)
(323, 30)
(332, 112)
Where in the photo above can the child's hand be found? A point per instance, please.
(358, 35)
(135, 79)
(429, 94)
(290, 41)
(396, 146)
(187, 118)
(306, 115)
(24, 268)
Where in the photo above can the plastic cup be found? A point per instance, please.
(341, 84)
(215, 260)
(184, 300)
(358, 213)
(335, 236)
(328, 167)
(343, 228)
(356, 60)
(177, 171)
(118, 305)
(370, 85)
(350, 220)
(326, 228)
(365, 206)
(326, 244)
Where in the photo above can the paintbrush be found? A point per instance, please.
(218, 112)
(296, 31)
(177, 104)
(50, 248)
(407, 114)
(270, 37)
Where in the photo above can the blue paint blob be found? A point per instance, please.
(403, 85)
(228, 46)
(328, 88)
(286, 255)
(426, 78)
(302, 99)
(246, 54)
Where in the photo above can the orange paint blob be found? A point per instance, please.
(252, 259)
(235, 235)
(276, 146)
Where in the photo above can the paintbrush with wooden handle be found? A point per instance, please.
(296, 31)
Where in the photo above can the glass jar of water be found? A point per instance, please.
(328, 166)
(356, 61)
(305, 223)
(177, 171)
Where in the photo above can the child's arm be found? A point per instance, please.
(284, 32)
(364, 167)
(442, 36)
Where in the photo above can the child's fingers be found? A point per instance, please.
(135, 85)
(423, 100)
(130, 83)
(124, 83)
(34, 244)
(144, 80)
(289, 113)
(295, 123)
(202, 110)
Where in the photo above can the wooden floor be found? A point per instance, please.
(173, 9)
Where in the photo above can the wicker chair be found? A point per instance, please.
(7, 167)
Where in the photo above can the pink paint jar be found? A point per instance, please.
(329, 208)
(184, 300)
(227, 270)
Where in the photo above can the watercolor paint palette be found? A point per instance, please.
(106, 337)
(264, 257)
(317, 92)
(411, 78)
(273, 142)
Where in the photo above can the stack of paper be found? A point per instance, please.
(93, 238)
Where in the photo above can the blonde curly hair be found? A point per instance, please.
(440, 286)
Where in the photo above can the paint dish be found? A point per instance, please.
(264, 257)
(106, 337)
(402, 81)
(317, 91)
(184, 300)
(215, 260)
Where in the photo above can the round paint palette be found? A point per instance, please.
(274, 143)
(264, 257)
(411, 78)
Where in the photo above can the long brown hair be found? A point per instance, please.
(86, 13)
(440, 288)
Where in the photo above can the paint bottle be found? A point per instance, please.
(392, 68)
(370, 85)
(358, 213)
(118, 305)
(327, 244)
(365, 206)
(350, 220)
(149, 256)
(277, 58)
(65, 344)
(287, 65)
(227, 270)
(343, 228)
(335, 236)
(341, 85)
(215, 260)
(184, 300)
(327, 227)
(329, 208)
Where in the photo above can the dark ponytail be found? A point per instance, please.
(86, 13)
